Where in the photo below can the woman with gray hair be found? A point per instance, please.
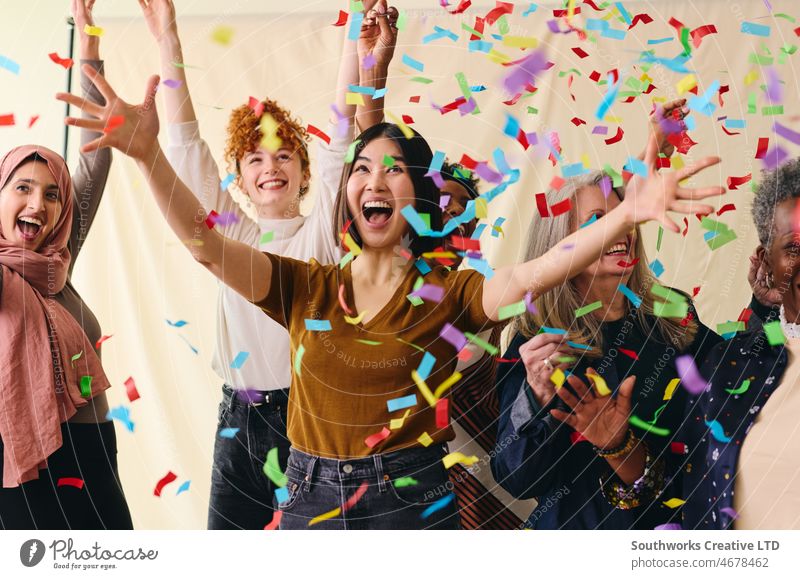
(615, 325)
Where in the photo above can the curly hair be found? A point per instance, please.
(244, 134)
(776, 186)
(464, 177)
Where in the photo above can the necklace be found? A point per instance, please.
(789, 330)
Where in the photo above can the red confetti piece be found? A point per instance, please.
(343, 303)
(33, 120)
(677, 447)
(541, 205)
(499, 10)
(744, 316)
(7, 120)
(319, 133)
(729, 133)
(211, 219)
(342, 19)
(577, 121)
(580, 52)
(725, 208)
(561, 207)
(593, 5)
(623, 263)
(100, 341)
(508, 360)
(681, 141)
(595, 76)
(414, 99)
(722, 90)
(676, 24)
(462, 6)
(614, 75)
(276, 520)
(663, 163)
(763, 145)
(464, 355)
(65, 62)
(557, 183)
(442, 413)
(686, 230)
(629, 353)
(576, 437)
(374, 439)
(168, 478)
(68, 481)
(257, 106)
(616, 138)
(700, 32)
(570, 80)
(113, 123)
(468, 162)
(695, 291)
(643, 18)
(130, 389)
(734, 182)
(797, 31)
(351, 502)
(465, 243)
(408, 120)
(563, 13)
(479, 23)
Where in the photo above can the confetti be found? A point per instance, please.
(65, 62)
(457, 457)
(717, 431)
(641, 424)
(670, 389)
(582, 311)
(165, 480)
(429, 292)
(629, 353)
(269, 133)
(442, 413)
(405, 481)
(298, 359)
(690, 376)
(75, 358)
(774, 333)
(273, 470)
(228, 432)
(113, 123)
(492, 350)
(674, 503)
(342, 19)
(102, 340)
(438, 505)
(69, 481)
(318, 325)
(425, 439)
(558, 378)
(183, 488)
(172, 83)
(511, 310)
(122, 414)
(239, 360)
(93, 30)
(599, 384)
(86, 386)
(275, 522)
(451, 334)
(130, 389)
(222, 35)
(730, 511)
(401, 403)
(373, 439)
(755, 29)
(413, 63)
(178, 324)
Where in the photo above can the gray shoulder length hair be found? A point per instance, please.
(556, 308)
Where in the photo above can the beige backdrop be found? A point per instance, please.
(135, 274)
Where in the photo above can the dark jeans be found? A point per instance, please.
(88, 452)
(319, 485)
(241, 494)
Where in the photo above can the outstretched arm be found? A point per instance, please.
(134, 131)
(645, 199)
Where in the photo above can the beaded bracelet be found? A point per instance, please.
(641, 491)
(625, 448)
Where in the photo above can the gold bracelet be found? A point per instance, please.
(625, 448)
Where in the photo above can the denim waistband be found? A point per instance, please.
(273, 399)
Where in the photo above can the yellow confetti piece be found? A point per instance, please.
(677, 162)
(407, 131)
(751, 77)
(659, 99)
(93, 30)
(193, 242)
(439, 254)
(520, 41)
(456, 457)
(397, 423)
(610, 119)
(444, 386)
(354, 98)
(481, 208)
(558, 378)
(298, 359)
(671, 388)
(585, 160)
(356, 320)
(351, 244)
(600, 384)
(673, 503)
(222, 35)
(325, 516)
(269, 133)
(498, 57)
(423, 388)
(425, 439)
(686, 84)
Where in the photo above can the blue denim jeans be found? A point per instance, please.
(241, 494)
(320, 485)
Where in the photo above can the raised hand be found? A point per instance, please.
(160, 18)
(378, 33)
(133, 129)
(649, 198)
(670, 116)
(81, 11)
(602, 420)
(540, 355)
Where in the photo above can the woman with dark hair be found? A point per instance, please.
(368, 440)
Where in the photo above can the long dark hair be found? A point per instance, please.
(418, 156)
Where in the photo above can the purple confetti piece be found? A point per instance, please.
(669, 126)
(467, 107)
(774, 157)
(525, 72)
(437, 178)
(453, 336)
(250, 396)
(553, 26)
(443, 201)
(433, 293)
(341, 124)
(774, 88)
(533, 138)
(488, 174)
(227, 218)
(786, 133)
(768, 5)
(690, 376)
(172, 83)
(529, 305)
(731, 512)
(369, 61)
(600, 130)
(474, 255)
(669, 527)
(605, 186)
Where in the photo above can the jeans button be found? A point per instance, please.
(348, 468)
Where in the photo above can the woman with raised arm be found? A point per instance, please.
(54, 476)
(255, 395)
(368, 439)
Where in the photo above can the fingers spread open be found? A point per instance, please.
(91, 124)
(699, 192)
(703, 163)
(81, 103)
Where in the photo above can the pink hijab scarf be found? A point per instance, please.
(40, 383)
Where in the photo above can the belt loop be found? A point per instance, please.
(309, 473)
(378, 460)
(231, 394)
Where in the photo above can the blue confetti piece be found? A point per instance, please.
(625, 14)
(226, 182)
(690, 122)
(282, 494)
(195, 350)
(512, 127)
(436, 163)
(531, 9)
(423, 267)
(477, 88)
(413, 63)
(228, 432)
(609, 32)
(379, 93)
(677, 64)
(239, 360)
(636, 166)
(755, 29)
(121, 414)
(401, 403)
(478, 231)
(628, 293)
(184, 487)
(480, 46)
(596, 24)
(659, 40)
(318, 325)
(481, 266)
(591, 220)
(415, 221)
(9, 64)
(608, 99)
(735, 123)
(703, 104)
(370, 90)
(438, 505)
(440, 33)
(578, 346)
(657, 268)
(573, 170)
(178, 324)
(355, 26)
(727, 336)
(498, 37)
(709, 235)
(558, 331)
(717, 431)
(425, 367)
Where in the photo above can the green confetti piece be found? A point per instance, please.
(721, 239)
(743, 387)
(273, 470)
(730, 327)
(774, 334)
(493, 351)
(533, 111)
(369, 342)
(588, 309)
(564, 73)
(641, 424)
(565, 359)
(388, 160)
(660, 237)
(351, 151)
(412, 345)
(667, 294)
(512, 310)
(502, 24)
(712, 225)
(267, 237)
(181, 65)
(789, 48)
(415, 300)
(402, 20)
(421, 79)
(76, 357)
(418, 283)
(405, 481)
(86, 386)
(670, 310)
(658, 412)
(298, 359)
(785, 17)
(773, 110)
(760, 59)
(355, 6)
(751, 103)
(465, 91)
(462, 173)
(687, 48)
(471, 30)
(616, 178)
(346, 259)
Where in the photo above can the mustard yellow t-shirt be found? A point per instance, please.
(344, 379)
